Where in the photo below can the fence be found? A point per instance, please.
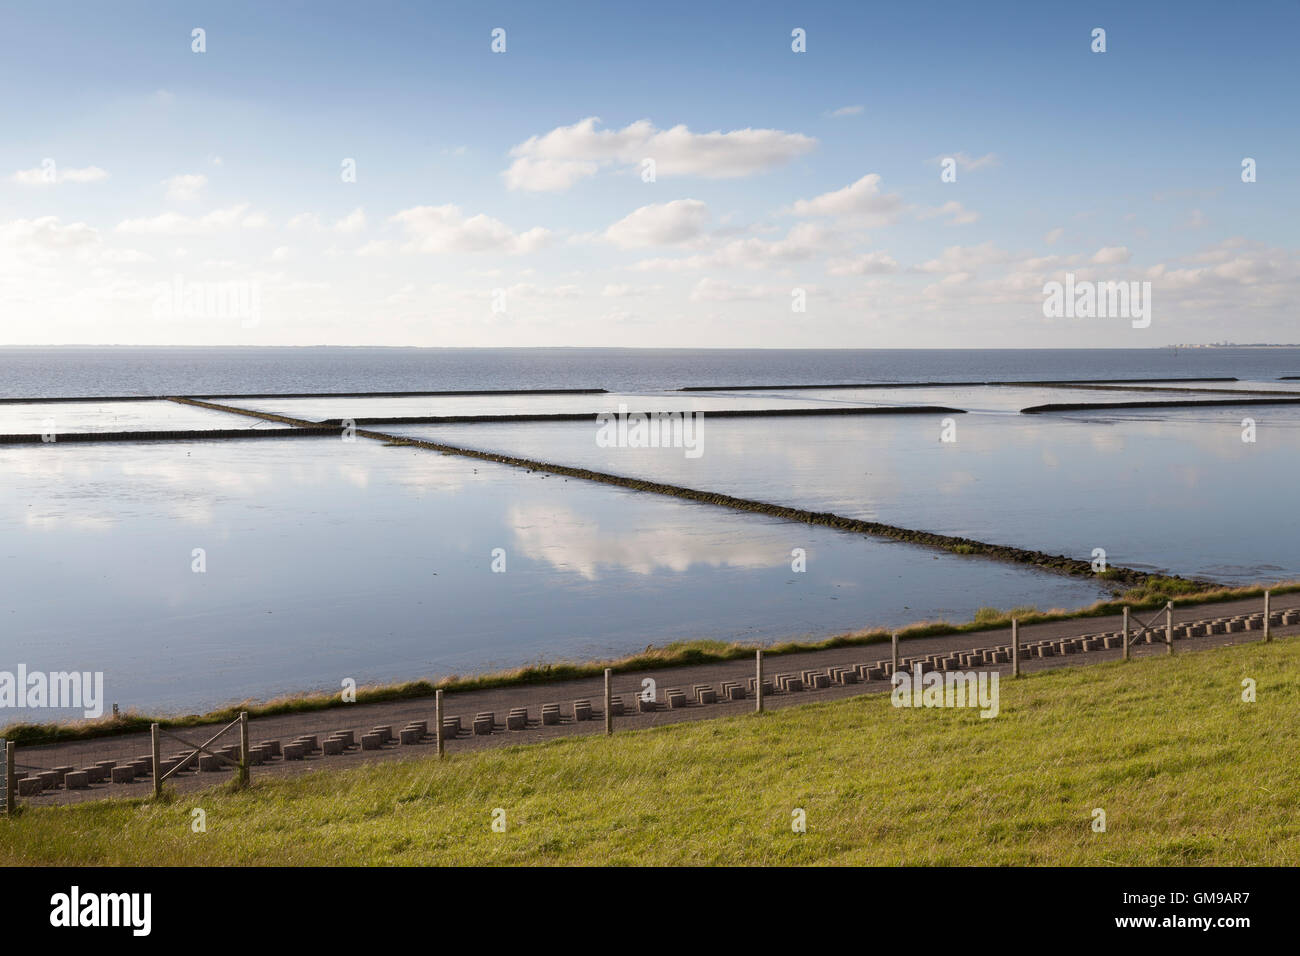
(128, 764)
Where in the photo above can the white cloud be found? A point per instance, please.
(1110, 255)
(870, 264)
(804, 241)
(49, 173)
(861, 201)
(47, 235)
(958, 215)
(847, 111)
(660, 224)
(965, 259)
(718, 290)
(185, 187)
(354, 221)
(175, 224)
(556, 160)
(439, 229)
(1054, 236)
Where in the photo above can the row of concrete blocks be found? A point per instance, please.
(987, 656)
(70, 778)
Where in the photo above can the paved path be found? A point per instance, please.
(362, 717)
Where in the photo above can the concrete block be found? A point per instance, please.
(516, 720)
(616, 706)
(385, 732)
(122, 774)
(271, 746)
(409, 735)
(676, 699)
(483, 726)
(62, 772)
(644, 706)
(332, 747)
(76, 780)
(710, 696)
(29, 786)
(211, 764)
(96, 774)
(550, 714)
(106, 764)
(49, 779)
(372, 741)
(736, 692)
(293, 751)
(582, 710)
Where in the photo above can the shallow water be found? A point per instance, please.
(1175, 490)
(38, 418)
(327, 559)
(180, 371)
(319, 409)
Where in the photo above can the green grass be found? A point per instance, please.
(1186, 772)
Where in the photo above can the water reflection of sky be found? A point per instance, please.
(328, 559)
(1169, 489)
(36, 418)
(319, 409)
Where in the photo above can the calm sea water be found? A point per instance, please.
(45, 372)
(327, 560)
(324, 560)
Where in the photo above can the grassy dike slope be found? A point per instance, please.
(1186, 771)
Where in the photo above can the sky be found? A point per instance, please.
(661, 175)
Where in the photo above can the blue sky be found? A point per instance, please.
(135, 171)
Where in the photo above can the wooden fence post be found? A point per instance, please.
(11, 778)
(1126, 632)
(1169, 627)
(437, 716)
(1015, 648)
(609, 702)
(1268, 633)
(893, 641)
(758, 681)
(243, 748)
(157, 761)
